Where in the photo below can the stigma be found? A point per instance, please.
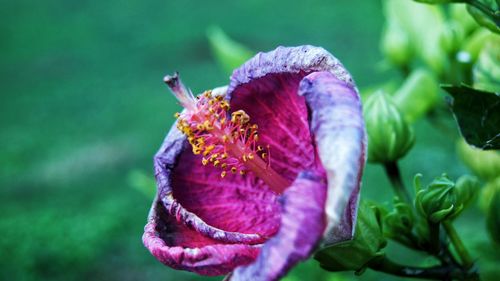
(224, 139)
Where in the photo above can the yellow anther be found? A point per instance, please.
(242, 172)
(177, 115)
(200, 127)
(233, 170)
(208, 94)
(214, 156)
(256, 137)
(219, 98)
(244, 158)
(204, 161)
(225, 138)
(216, 162)
(259, 148)
(240, 116)
(264, 155)
(223, 174)
(211, 102)
(196, 150)
(250, 156)
(224, 105)
(223, 165)
(224, 155)
(208, 126)
(208, 149)
(255, 127)
(223, 121)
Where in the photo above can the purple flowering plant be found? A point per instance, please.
(259, 175)
(255, 176)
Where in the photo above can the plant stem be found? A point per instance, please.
(394, 175)
(447, 272)
(458, 245)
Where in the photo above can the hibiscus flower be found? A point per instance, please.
(257, 175)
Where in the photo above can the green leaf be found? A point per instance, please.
(228, 53)
(484, 19)
(478, 115)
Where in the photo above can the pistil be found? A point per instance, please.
(229, 142)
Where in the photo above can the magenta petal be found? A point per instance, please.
(338, 128)
(179, 247)
(235, 210)
(302, 225)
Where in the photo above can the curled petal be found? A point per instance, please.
(339, 132)
(302, 224)
(179, 247)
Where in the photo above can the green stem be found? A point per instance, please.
(447, 272)
(486, 10)
(394, 175)
(458, 245)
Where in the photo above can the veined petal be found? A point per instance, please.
(339, 132)
(191, 192)
(302, 224)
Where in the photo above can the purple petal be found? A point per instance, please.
(238, 209)
(339, 131)
(302, 224)
(179, 247)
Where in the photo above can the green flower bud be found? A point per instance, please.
(389, 135)
(493, 217)
(399, 223)
(395, 44)
(418, 95)
(366, 245)
(488, 192)
(423, 25)
(452, 37)
(444, 199)
(483, 163)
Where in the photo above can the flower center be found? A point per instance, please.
(229, 142)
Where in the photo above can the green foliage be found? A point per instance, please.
(366, 245)
(389, 135)
(485, 15)
(229, 53)
(478, 115)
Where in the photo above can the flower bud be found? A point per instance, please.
(493, 217)
(483, 163)
(418, 95)
(389, 135)
(444, 199)
(452, 37)
(366, 245)
(395, 44)
(398, 224)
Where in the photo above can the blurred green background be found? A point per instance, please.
(83, 110)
